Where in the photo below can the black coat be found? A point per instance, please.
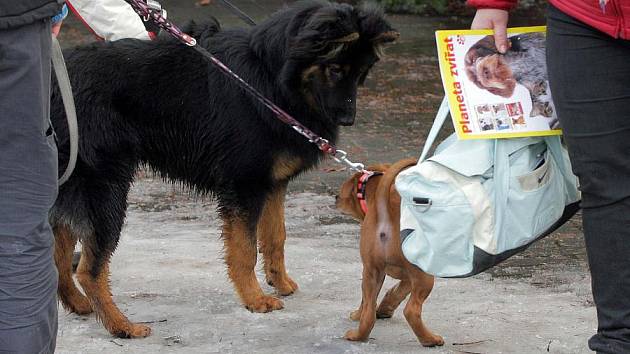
(15, 13)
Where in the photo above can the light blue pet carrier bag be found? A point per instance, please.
(475, 203)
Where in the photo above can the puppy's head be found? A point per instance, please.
(347, 200)
(328, 49)
(487, 68)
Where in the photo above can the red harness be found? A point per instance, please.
(362, 186)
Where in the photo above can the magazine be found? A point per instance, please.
(494, 95)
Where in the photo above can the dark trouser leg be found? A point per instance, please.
(28, 187)
(589, 75)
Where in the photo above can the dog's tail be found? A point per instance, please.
(383, 194)
(202, 30)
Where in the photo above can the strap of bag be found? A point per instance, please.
(501, 188)
(68, 102)
(554, 145)
(440, 118)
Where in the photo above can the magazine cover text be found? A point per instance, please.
(493, 95)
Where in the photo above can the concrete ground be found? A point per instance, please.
(168, 269)
(168, 272)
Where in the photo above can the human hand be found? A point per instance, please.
(496, 20)
(57, 20)
(56, 28)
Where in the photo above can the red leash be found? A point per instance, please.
(149, 13)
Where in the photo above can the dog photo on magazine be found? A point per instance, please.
(494, 95)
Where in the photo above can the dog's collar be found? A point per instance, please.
(362, 186)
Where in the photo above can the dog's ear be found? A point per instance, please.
(324, 33)
(318, 33)
(374, 27)
(484, 47)
(347, 200)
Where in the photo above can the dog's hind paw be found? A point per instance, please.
(79, 305)
(265, 304)
(354, 336)
(432, 341)
(384, 314)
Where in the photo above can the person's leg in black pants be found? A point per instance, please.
(589, 74)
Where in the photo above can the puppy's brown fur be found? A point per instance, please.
(381, 255)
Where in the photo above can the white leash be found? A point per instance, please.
(68, 102)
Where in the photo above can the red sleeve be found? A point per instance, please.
(493, 4)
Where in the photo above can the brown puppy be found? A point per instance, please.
(381, 253)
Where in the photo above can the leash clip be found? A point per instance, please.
(342, 157)
(338, 155)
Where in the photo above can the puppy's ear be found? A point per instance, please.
(374, 27)
(347, 200)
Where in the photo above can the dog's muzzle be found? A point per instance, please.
(345, 120)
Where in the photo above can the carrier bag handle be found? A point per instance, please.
(438, 123)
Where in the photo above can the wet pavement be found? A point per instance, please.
(395, 111)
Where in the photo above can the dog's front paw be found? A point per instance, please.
(432, 341)
(134, 330)
(354, 336)
(285, 285)
(265, 304)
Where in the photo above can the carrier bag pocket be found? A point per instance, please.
(433, 239)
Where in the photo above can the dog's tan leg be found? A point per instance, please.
(390, 302)
(271, 236)
(70, 297)
(421, 286)
(240, 256)
(94, 278)
(370, 286)
(393, 298)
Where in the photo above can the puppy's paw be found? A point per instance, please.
(285, 285)
(355, 336)
(382, 314)
(432, 341)
(265, 304)
(355, 315)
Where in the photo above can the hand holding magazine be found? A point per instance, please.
(493, 95)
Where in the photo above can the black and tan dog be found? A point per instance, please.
(161, 104)
(373, 200)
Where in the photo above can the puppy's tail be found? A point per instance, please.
(383, 193)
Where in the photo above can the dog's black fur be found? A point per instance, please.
(161, 104)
